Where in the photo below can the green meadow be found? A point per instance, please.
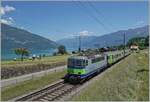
(44, 60)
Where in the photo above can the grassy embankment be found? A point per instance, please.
(17, 68)
(30, 85)
(127, 80)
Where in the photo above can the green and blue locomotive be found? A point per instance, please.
(80, 68)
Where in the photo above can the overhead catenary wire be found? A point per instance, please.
(90, 14)
(94, 17)
(85, 10)
(98, 12)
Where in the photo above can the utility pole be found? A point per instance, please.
(124, 43)
(79, 43)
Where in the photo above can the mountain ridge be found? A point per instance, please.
(111, 39)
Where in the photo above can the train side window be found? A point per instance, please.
(71, 63)
(102, 58)
(94, 60)
(82, 62)
(98, 59)
(78, 62)
(108, 57)
(86, 62)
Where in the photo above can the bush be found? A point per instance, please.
(62, 50)
(73, 52)
(55, 53)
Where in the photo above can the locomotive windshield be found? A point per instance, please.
(77, 63)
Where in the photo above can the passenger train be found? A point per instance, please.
(80, 68)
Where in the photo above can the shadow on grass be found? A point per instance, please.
(142, 70)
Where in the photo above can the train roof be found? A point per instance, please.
(86, 57)
(114, 52)
(97, 55)
(78, 57)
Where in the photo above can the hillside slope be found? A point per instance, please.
(13, 37)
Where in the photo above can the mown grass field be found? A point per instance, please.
(44, 60)
(30, 85)
(126, 81)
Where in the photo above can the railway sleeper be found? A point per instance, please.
(42, 100)
(44, 93)
(58, 92)
(50, 96)
(47, 98)
(54, 94)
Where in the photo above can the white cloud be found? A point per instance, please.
(11, 19)
(8, 21)
(85, 33)
(4, 10)
(9, 8)
(139, 23)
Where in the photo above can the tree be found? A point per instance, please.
(147, 41)
(21, 51)
(55, 53)
(121, 47)
(101, 49)
(73, 52)
(62, 49)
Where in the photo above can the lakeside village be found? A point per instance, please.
(135, 44)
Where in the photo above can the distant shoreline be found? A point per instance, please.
(10, 56)
(49, 52)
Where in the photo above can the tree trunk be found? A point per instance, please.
(21, 57)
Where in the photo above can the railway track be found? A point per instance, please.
(51, 93)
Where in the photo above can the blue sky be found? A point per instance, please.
(57, 20)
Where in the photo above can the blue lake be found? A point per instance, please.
(5, 55)
(9, 55)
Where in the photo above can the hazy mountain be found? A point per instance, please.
(12, 37)
(73, 43)
(115, 38)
